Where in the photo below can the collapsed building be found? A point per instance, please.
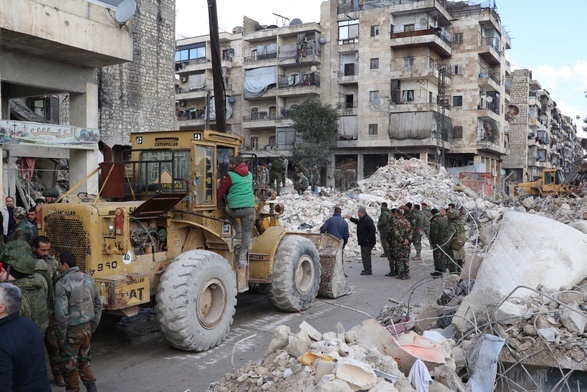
(514, 319)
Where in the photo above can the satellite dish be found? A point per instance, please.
(313, 68)
(295, 22)
(322, 40)
(502, 172)
(231, 99)
(125, 11)
(489, 98)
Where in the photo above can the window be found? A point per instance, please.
(457, 38)
(457, 100)
(458, 69)
(374, 97)
(349, 69)
(408, 62)
(457, 132)
(254, 143)
(373, 129)
(408, 95)
(348, 31)
(374, 63)
(191, 52)
(374, 31)
(410, 27)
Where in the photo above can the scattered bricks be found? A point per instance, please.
(509, 313)
(566, 297)
(574, 321)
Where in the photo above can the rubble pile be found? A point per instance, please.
(341, 361)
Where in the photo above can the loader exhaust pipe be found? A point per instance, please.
(111, 175)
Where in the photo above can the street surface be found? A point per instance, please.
(139, 359)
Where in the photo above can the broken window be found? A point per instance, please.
(408, 95)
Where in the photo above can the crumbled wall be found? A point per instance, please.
(140, 95)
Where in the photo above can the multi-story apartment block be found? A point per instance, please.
(194, 81)
(540, 135)
(410, 78)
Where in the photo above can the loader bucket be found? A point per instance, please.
(333, 283)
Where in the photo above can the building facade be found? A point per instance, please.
(427, 79)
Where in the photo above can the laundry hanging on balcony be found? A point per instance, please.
(213, 108)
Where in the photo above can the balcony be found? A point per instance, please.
(489, 145)
(347, 108)
(425, 69)
(259, 58)
(489, 111)
(422, 36)
(491, 51)
(194, 65)
(489, 81)
(307, 56)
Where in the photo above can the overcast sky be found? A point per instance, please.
(547, 36)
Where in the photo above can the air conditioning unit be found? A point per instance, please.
(182, 104)
(184, 79)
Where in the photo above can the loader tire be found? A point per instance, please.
(196, 300)
(296, 274)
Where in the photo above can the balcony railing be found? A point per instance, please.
(420, 29)
(260, 57)
(260, 116)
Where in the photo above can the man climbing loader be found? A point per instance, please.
(156, 228)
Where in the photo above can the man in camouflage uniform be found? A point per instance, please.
(315, 179)
(19, 267)
(438, 228)
(383, 227)
(46, 261)
(400, 236)
(23, 230)
(455, 226)
(418, 230)
(301, 168)
(277, 170)
(77, 313)
(302, 183)
(427, 218)
(51, 195)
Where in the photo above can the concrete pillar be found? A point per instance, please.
(360, 167)
(330, 171)
(83, 112)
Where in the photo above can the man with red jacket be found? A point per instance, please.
(237, 185)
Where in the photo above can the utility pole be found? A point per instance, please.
(219, 100)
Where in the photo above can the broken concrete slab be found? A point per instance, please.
(356, 373)
(531, 256)
(574, 319)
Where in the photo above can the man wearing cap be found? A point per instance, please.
(19, 269)
(8, 217)
(22, 360)
(78, 309)
(301, 184)
(51, 195)
(23, 230)
(237, 185)
(315, 180)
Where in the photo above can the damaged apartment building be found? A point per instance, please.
(427, 79)
(73, 73)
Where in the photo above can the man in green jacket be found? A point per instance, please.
(438, 240)
(383, 227)
(237, 185)
(78, 309)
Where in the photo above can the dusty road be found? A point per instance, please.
(139, 359)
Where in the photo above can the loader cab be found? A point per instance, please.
(178, 162)
(552, 177)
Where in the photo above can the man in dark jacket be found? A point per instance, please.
(366, 238)
(337, 226)
(237, 185)
(22, 353)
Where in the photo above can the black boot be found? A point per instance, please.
(393, 271)
(90, 386)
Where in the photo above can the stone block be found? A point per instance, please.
(574, 321)
(509, 313)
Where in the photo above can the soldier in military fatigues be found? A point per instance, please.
(77, 313)
(23, 230)
(438, 228)
(51, 195)
(45, 260)
(301, 185)
(418, 231)
(277, 170)
(383, 227)
(399, 245)
(455, 226)
(19, 265)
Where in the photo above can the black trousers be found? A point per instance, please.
(366, 256)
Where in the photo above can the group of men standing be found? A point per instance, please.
(54, 296)
(400, 228)
(274, 176)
